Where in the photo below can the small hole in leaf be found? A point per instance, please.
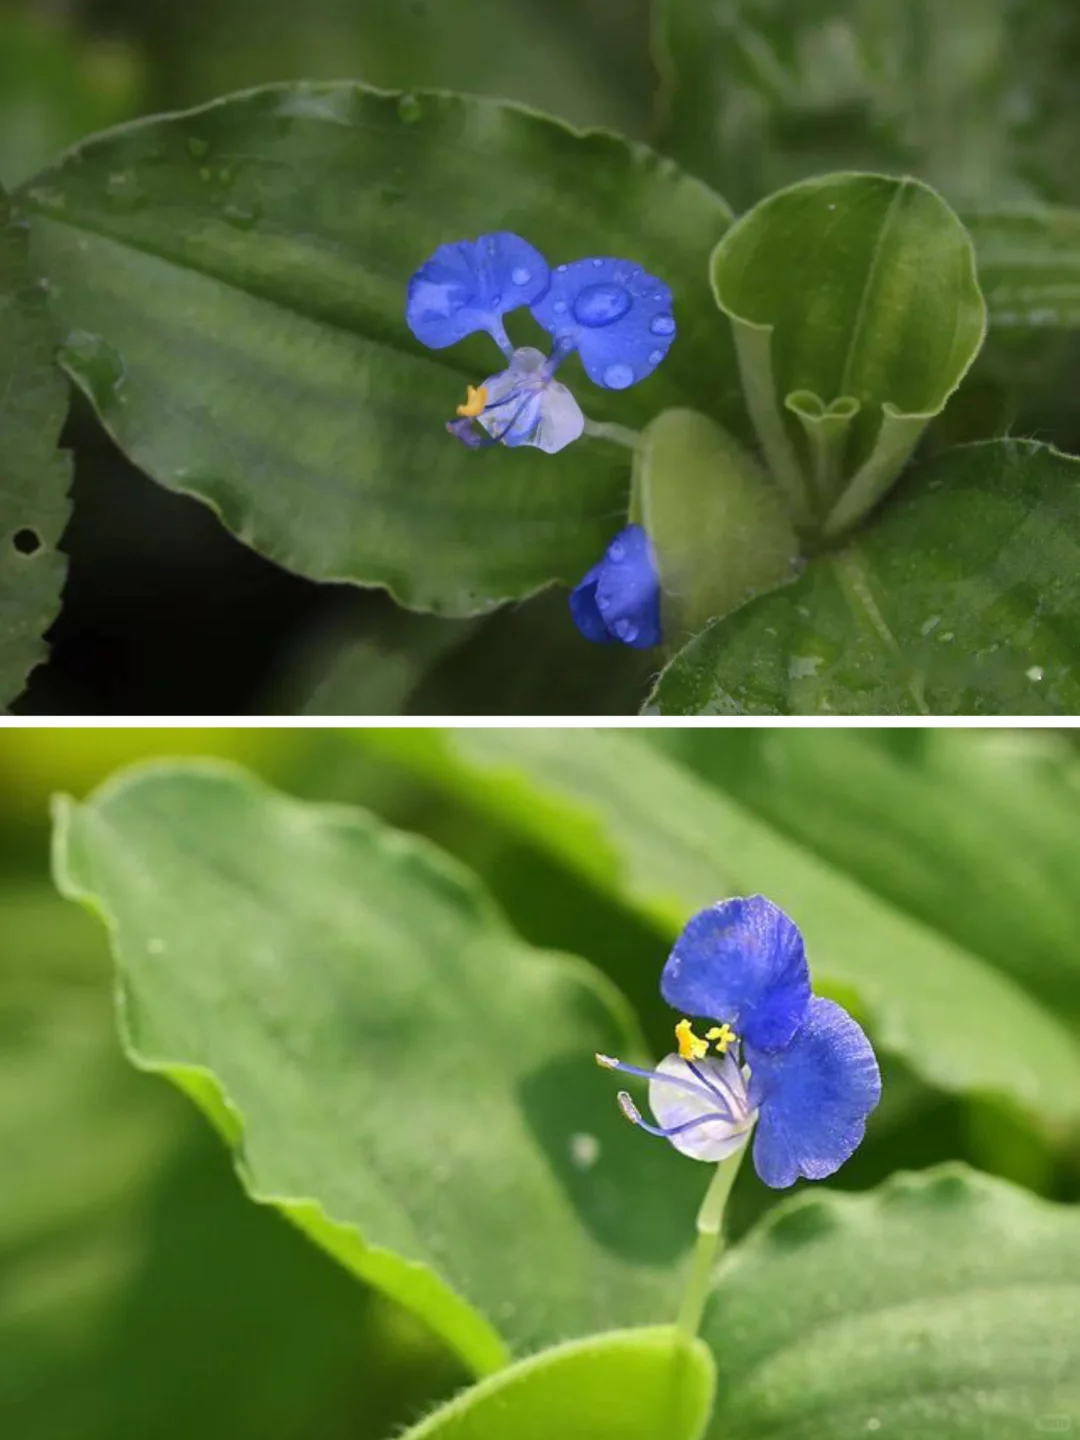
(27, 541)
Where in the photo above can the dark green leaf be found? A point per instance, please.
(405, 1079)
(231, 283)
(943, 1305)
(963, 598)
(34, 475)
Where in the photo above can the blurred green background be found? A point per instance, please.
(142, 1297)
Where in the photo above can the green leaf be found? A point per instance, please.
(142, 1294)
(406, 1080)
(962, 599)
(34, 475)
(1029, 266)
(629, 1385)
(719, 525)
(999, 808)
(760, 93)
(841, 385)
(646, 832)
(943, 1305)
(232, 281)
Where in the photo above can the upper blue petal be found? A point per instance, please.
(619, 599)
(618, 317)
(813, 1097)
(470, 284)
(741, 961)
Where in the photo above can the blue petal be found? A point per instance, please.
(741, 961)
(619, 599)
(470, 285)
(813, 1097)
(616, 315)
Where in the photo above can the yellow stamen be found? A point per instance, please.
(690, 1046)
(723, 1035)
(475, 401)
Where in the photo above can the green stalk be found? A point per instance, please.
(710, 1224)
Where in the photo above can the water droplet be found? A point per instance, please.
(95, 361)
(1035, 673)
(626, 630)
(618, 377)
(243, 218)
(559, 306)
(561, 269)
(124, 190)
(496, 299)
(409, 108)
(662, 325)
(601, 304)
(198, 149)
(617, 551)
(598, 263)
(656, 357)
(520, 276)
(584, 1150)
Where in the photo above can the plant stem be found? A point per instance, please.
(710, 1223)
(618, 434)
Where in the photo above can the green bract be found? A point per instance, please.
(231, 286)
(856, 313)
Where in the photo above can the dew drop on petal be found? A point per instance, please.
(656, 357)
(618, 377)
(626, 630)
(520, 276)
(617, 551)
(598, 263)
(663, 325)
(559, 306)
(561, 269)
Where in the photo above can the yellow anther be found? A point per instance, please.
(723, 1035)
(690, 1046)
(475, 401)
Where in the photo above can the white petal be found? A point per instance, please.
(674, 1105)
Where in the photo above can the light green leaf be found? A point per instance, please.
(406, 1080)
(943, 1305)
(962, 599)
(856, 314)
(34, 475)
(719, 526)
(759, 93)
(644, 830)
(232, 282)
(142, 1294)
(629, 1385)
(1000, 808)
(1029, 266)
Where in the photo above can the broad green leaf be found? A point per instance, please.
(1029, 266)
(231, 283)
(856, 313)
(405, 1079)
(629, 1385)
(962, 599)
(650, 834)
(1001, 809)
(34, 475)
(719, 525)
(943, 1305)
(140, 1293)
(759, 93)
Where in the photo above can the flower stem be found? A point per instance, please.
(617, 434)
(709, 1227)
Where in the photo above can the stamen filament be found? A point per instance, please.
(609, 1063)
(633, 1114)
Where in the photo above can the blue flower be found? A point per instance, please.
(470, 285)
(614, 314)
(619, 599)
(805, 1089)
(612, 311)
